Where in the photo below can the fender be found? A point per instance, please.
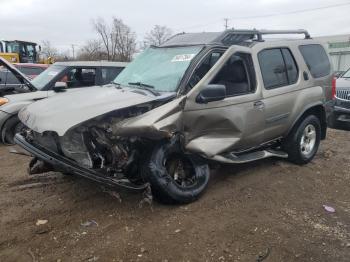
(300, 116)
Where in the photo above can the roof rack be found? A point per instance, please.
(259, 33)
(228, 37)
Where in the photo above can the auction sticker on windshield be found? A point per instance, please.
(183, 58)
(52, 73)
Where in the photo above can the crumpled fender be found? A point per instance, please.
(161, 122)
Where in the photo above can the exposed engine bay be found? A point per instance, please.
(95, 145)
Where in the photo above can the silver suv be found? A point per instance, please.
(229, 97)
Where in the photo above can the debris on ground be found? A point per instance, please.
(262, 257)
(89, 223)
(40, 222)
(19, 152)
(30, 252)
(147, 197)
(329, 209)
(112, 193)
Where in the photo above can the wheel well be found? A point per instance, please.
(320, 113)
(4, 126)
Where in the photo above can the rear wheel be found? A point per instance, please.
(175, 177)
(303, 142)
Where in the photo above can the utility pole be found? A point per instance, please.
(73, 50)
(226, 23)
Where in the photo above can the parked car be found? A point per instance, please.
(340, 117)
(31, 70)
(9, 82)
(227, 97)
(59, 77)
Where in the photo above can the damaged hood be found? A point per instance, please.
(60, 113)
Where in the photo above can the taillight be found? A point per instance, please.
(334, 84)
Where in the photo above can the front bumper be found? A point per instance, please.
(340, 112)
(65, 165)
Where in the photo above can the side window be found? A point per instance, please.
(204, 67)
(237, 75)
(278, 67)
(291, 66)
(109, 73)
(272, 68)
(31, 71)
(316, 60)
(79, 77)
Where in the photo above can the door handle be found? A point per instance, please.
(259, 105)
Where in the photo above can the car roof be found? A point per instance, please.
(93, 63)
(31, 65)
(229, 37)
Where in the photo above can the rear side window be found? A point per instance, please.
(292, 70)
(316, 60)
(278, 67)
(31, 71)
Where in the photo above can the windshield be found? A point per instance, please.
(45, 77)
(158, 68)
(346, 74)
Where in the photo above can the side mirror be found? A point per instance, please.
(60, 87)
(211, 93)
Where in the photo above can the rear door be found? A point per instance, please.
(280, 79)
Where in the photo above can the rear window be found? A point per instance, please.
(31, 71)
(316, 60)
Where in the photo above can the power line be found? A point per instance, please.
(291, 12)
(267, 15)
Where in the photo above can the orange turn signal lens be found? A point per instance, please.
(3, 101)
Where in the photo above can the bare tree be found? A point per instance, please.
(92, 51)
(104, 33)
(158, 35)
(118, 40)
(47, 50)
(124, 41)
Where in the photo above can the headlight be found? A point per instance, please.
(3, 101)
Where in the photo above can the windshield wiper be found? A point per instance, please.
(117, 85)
(147, 87)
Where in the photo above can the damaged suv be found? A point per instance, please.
(229, 97)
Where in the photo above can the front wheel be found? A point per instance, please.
(175, 177)
(303, 142)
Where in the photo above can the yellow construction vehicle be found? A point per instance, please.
(19, 51)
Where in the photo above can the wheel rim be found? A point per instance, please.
(308, 140)
(181, 170)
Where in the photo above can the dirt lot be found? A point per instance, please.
(269, 209)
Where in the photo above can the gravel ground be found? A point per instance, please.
(269, 210)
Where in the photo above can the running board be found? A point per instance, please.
(231, 158)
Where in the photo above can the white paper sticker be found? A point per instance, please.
(52, 73)
(183, 58)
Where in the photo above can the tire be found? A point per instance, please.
(162, 173)
(10, 129)
(303, 142)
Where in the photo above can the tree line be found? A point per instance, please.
(114, 41)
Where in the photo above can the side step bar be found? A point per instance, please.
(249, 157)
(66, 165)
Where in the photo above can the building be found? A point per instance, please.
(338, 47)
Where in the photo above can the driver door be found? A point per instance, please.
(234, 123)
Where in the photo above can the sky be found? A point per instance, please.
(66, 22)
